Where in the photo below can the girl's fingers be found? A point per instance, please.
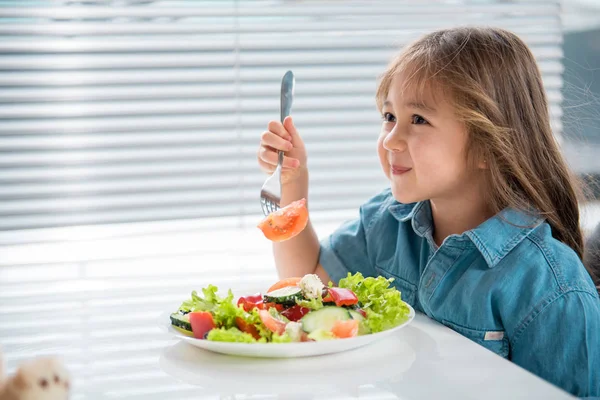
(266, 167)
(288, 125)
(277, 128)
(270, 157)
(277, 142)
(270, 168)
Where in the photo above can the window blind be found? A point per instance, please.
(124, 111)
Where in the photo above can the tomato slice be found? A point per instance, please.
(246, 327)
(345, 329)
(342, 297)
(295, 313)
(286, 222)
(285, 283)
(274, 325)
(202, 322)
(249, 302)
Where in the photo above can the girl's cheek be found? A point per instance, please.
(382, 153)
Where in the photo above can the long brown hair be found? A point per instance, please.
(497, 91)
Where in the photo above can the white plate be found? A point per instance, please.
(341, 373)
(287, 350)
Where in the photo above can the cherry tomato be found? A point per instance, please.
(202, 322)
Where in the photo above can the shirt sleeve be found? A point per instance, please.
(562, 344)
(346, 250)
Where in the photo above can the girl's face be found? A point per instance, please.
(422, 148)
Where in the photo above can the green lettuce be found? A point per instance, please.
(232, 335)
(253, 318)
(223, 309)
(313, 304)
(225, 312)
(285, 338)
(382, 303)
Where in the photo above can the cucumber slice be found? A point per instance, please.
(320, 335)
(181, 321)
(324, 318)
(286, 295)
(356, 315)
(363, 329)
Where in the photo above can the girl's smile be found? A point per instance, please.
(399, 170)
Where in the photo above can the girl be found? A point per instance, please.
(480, 227)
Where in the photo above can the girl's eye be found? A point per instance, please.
(387, 117)
(418, 120)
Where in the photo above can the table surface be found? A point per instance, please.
(95, 301)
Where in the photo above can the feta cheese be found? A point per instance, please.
(311, 286)
(294, 331)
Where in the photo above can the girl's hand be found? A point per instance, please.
(283, 137)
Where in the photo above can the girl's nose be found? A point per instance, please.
(393, 141)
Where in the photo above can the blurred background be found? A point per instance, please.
(128, 139)
(128, 111)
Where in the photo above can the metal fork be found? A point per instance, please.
(270, 194)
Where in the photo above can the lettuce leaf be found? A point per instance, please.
(225, 312)
(232, 335)
(197, 303)
(223, 309)
(285, 338)
(382, 303)
(253, 318)
(313, 304)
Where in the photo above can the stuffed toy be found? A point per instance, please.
(40, 379)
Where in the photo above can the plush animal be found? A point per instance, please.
(40, 379)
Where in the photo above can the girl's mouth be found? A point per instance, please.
(399, 170)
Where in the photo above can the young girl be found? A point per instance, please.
(480, 228)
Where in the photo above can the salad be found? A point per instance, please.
(294, 310)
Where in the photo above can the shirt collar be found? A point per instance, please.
(494, 238)
(497, 236)
(418, 213)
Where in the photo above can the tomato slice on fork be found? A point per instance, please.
(286, 222)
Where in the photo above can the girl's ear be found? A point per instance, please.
(482, 164)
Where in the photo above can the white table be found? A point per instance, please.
(94, 300)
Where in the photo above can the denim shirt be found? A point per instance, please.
(508, 285)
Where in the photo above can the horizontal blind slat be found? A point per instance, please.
(88, 94)
(284, 10)
(535, 24)
(185, 44)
